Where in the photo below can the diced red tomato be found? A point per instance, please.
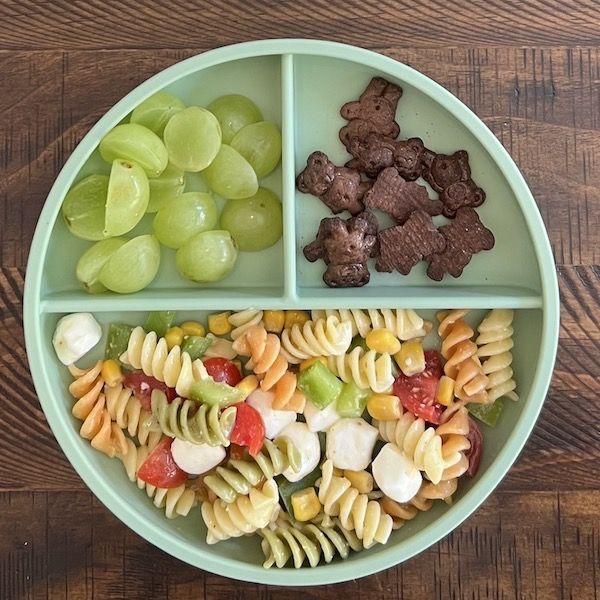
(417, 393)
(249, 429)
(142, 386)
(475, 451)
(159, 468)
(221, 369)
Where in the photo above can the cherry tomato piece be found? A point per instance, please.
(159, 468)
(221, 369)
(142, 386)
(249, 429)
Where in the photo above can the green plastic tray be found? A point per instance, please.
(301, 85)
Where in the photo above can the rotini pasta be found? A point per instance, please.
(305, 542)
(186, 420)
(267, 361)
(494, 344)
(454, 429)
(356, 512)
(323, 337)
(149, 353)
(462, 362)
(240, 476)
(247, 514)
(243, 320)
(366, 369)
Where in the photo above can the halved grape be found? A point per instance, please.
(230, 175)
(154, 112)
(133, 266)
(260, 144)
(234, 112)
(92, 260)
(127, 198)
(207, 256)
(137, 144)
(192, 137)
(254, 223)
(185, 216)
(84, 206)
(168, 185)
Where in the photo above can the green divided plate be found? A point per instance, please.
(301, 85)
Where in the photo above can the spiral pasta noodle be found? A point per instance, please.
(266, 360)
(240, 476)
(243, 320)
(148, 352)
(308, 542)
(186, 420)
(494, 344)
(365, 369)
(462, 363)
(177, 501)
(323, 337)
(98, 427)
(247, 514)
(405, 324)
(356, 512)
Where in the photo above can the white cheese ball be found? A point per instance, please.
(196, 459)
(274, 420)
(395, 474)
(320, 420)
(75, 335)
(308, 446)
(350, 444)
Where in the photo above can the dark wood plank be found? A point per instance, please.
(30, 24)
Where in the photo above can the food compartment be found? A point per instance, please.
(322, 86)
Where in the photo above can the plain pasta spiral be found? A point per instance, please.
(243, 320)
(366, 369)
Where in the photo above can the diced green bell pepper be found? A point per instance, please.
(117, 340)
(212, 392)
(352, 400)
(195, 346)
(319, 385)
(160, 321)
(287, 488)
(487, 413)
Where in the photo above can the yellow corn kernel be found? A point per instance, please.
(248, 385)
(382, 340)
(174, 337)
(384, 407)
(193, 328)
(361, 480)
(111, 372)
(219, 324)
(274, 320)
(311, 361)
(295, 317)
(305, 504)
(445, 391)
(411, 358)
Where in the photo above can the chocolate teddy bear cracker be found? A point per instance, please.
(464, 236)
(374, 112)
(450, 175)
(403, 246)
(340, 188)
(399, 198)
(345, 246)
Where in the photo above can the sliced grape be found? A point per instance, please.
(185, 216)
(84, 206)
(260, 144)
(234, 112)
(155, 112)
(168, 185)
(254, 223)
(207, 256)
(135, 143)
(192, 137)
(230, 175)
(127, 198)
(133, 266)
(91, 262)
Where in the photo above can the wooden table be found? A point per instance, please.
(530, 70)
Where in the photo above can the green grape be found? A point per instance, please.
(234, 112)
(230, 175)
(92, 260)
(133, 266)
(260, 144)
(192, 137)
(127, 198)
(207, 256)
(185, 216)
(84, 206)
(137, 144)
(254, 223)
(155, 112)
(168, 185)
